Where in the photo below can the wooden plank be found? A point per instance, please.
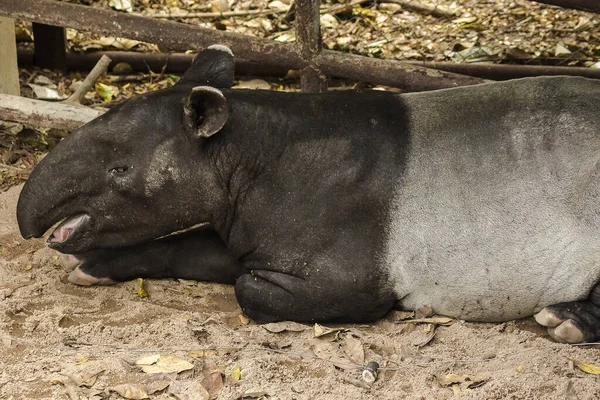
(50, 46)
(177, 36)
(44, 113)
(9, 72)
(308, 37)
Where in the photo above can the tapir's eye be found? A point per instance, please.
(119, 170)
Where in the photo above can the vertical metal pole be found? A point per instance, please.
(50, 46)
(308, 38)
(9, 72)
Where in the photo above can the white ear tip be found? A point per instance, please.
(221, 47)
(208, 89)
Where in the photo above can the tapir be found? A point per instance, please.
(482, 202)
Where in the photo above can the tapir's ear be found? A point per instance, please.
(205, 111)
(213, 66)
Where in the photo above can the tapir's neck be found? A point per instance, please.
(258, 128)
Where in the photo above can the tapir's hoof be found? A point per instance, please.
(78, 277)
(575, 322)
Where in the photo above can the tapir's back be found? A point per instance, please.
(497, 213)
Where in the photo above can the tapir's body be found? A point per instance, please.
(481, 202)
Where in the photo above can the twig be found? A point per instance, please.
(241, 13)
(89, 81)
(435, 10)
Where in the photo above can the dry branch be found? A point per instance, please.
(44, 113)
(100, 68)
(308, 36)
(506, 71)
(224, 14)
(179, 36)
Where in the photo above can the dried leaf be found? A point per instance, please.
(236, 373)
(353, 349)
(157, 382)
(140, 291)
(164, 363)
(588, 368)
(44, 93)
(212, 381)
(244, 320)
(121, 5)
(432, 320)
(85, 379)
(321, 330)
(331, 352)
(69, 384)
(135, 391)
(188, 390)
(430, 331)
(254, 84)
(289, 326)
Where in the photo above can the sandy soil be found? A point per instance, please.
(52, 330)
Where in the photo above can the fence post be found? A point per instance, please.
(9, 72)
(308, 38)
(50, 46)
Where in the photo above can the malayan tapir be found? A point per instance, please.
(482, 202)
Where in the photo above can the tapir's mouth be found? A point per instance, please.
(68, 230)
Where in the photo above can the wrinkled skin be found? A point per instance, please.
(480, 202)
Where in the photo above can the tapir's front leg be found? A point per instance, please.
(267, 296)
(199, 254)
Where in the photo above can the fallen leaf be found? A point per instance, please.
(430, 331)
(244, 320)
(82, 360)
(164, 363)
(353, 349)
(321, 330)
(44, 93)
(107, 92)
(135, 391)
(236, 373)
(121, 5)
(331, 352)
(69, 384)
(148, 360)
(188, 390)
(212, 381)
(290, 326)
(157, 382)
(588, 368)
(140, 291)
(254, 84)
(432, 320)
(561, 51)
(85, 379)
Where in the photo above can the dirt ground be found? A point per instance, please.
(53, 331)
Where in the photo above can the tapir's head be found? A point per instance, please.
(137, 172)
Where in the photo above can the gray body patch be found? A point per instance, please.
(497, 214)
